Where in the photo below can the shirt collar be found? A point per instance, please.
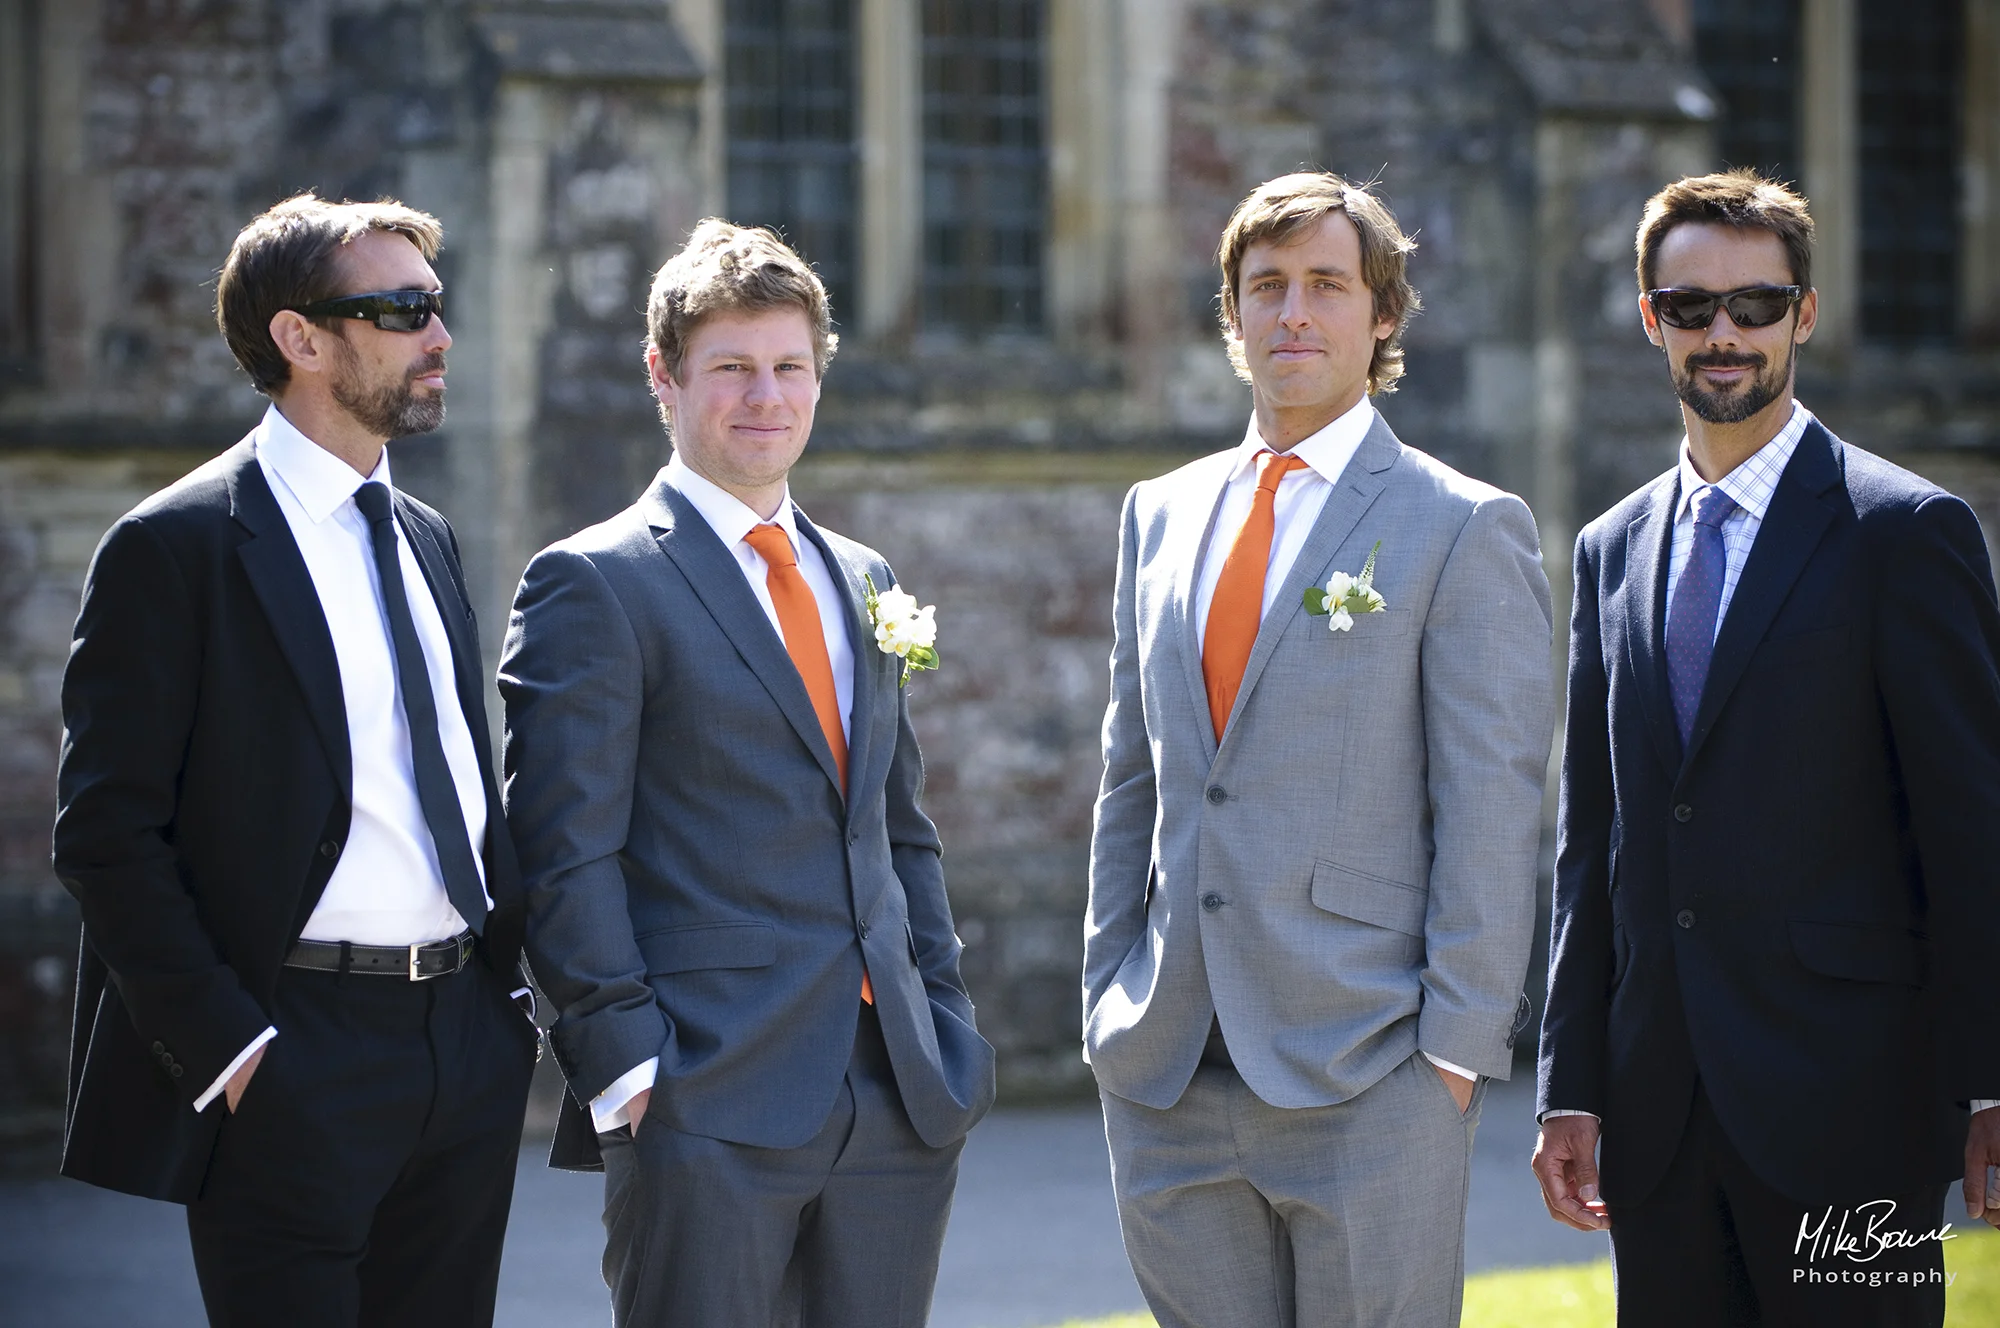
(1326, 453)
(320, 480)
(1754, 482)
(726, 514)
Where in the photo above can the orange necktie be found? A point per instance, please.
(805, 641)
(1237, 607)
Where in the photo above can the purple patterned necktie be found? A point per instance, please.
(1697, 596)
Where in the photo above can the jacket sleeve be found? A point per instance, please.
(1936, 640)
(914, 852)
(1571, 1067)
(1489, 711)
(1121, 840)
(129, 695)
(572, 680)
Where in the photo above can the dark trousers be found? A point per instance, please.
(842, 1232)
(366, 1175)
(1715, 1245)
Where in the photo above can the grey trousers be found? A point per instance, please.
(842, 1232)
(1238, 1214)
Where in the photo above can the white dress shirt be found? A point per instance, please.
(1302, 493)
(386, 888)
(1751, 486)
(731, 521)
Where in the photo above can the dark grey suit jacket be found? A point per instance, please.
(698, 889)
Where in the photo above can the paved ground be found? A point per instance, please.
(1033, 1239)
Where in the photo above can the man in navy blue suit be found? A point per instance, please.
(1778, 881)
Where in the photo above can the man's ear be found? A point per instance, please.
(300, 340)
(1649, 322)
(1808, 317)
(663, 384)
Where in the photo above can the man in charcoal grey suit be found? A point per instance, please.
(1313, 872)
(734, 898)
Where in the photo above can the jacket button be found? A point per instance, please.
(159, 1048)
(864, 931)
(1217, 794)
(1211, 901)
(1683, 813)
(174, 1070)
(1685, 917)
(329, 850)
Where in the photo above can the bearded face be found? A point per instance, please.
(1737, 402)
(383, 400)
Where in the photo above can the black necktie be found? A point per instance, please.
(435, 788)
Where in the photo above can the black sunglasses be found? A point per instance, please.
(1753, 306)
(390, 310)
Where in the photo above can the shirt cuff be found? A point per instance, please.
(222, 1080)
(608, 1109)
(1458, 1070)
(1985, 1103)
(1547, 1115)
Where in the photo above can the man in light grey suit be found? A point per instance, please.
(734, 898)
(1312, 880)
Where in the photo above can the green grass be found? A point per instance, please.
(1579, 1295)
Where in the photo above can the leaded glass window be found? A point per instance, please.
(789, 87)
(17, 191)
(1910, 77)
(985, 166)
(1749, 49)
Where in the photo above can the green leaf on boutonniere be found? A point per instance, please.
(901, 628)
(1316, 601)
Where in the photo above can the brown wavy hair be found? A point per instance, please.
(726, 268)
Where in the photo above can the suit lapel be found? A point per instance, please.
(1792, 529)
(1361, 483)
(1648, 544)
(861, 715)
(1205, 487)
(278, 576)
(717, 581)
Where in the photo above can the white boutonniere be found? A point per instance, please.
(1344, 595)
(902, 629)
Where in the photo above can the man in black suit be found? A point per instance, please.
(1770, 983)
(300, 1009)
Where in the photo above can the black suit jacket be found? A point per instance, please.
(203, 801)
(1800, 908)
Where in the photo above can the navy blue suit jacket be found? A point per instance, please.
(1798, 910)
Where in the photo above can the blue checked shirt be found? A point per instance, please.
(1750, 486)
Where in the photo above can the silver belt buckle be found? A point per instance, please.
(416, 976)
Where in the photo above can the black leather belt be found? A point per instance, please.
(418, 963)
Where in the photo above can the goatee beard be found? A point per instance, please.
(1731, 407)
(393, 410)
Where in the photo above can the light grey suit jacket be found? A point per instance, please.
(1351, 877)
(698, 889)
